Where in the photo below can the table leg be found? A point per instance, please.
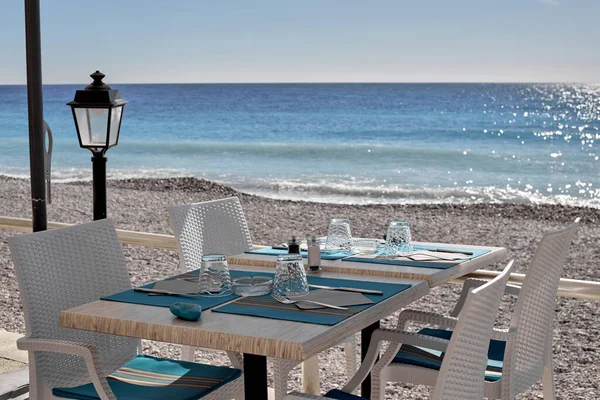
(310, 376)
(365, 339)
(255, 377)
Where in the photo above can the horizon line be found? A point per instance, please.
(322, 83)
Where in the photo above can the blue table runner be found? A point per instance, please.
(131, 296)
(267, 307)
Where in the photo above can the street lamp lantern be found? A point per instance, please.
(97, 112)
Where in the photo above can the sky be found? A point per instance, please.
(162, 41)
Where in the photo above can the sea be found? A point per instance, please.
(340, 143)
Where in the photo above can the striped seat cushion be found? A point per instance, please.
(151, 378)
(340, 395)
(428, 358)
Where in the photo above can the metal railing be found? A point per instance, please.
(571, 288)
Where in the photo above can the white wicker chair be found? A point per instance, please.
(211, 227)
(219, 227)
(518, 356)
(461, 376)
(64, 268)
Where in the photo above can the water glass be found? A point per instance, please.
(338, 235)
(290, 277)
(398, 239)
(214, 279)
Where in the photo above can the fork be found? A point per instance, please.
(442, 258)
(435, 256)
(285, 300)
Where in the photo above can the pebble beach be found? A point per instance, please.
(141, 205)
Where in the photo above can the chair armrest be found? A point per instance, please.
(411, 338)
(425, 317)
(396, 339)
(472, 283)
(54, 346)
(87, 352)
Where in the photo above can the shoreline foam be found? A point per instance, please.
(356, 195)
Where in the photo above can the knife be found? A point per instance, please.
(163, 292)
(347, 289)
(469, 253)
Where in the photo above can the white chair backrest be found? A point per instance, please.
(211, 227)
(61, 269)
(462, 372)
(534, 311)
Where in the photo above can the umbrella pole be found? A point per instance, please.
(36, 114)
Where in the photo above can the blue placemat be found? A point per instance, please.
(267, 307)
(325, 254)
(131, 296)
(420, 264)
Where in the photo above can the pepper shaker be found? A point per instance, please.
(293, 246)
(314, 253)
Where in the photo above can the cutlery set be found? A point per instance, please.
(453, 255)
(346, 289)
(280, 298)
(286, 300)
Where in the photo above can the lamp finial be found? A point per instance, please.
(97, 84)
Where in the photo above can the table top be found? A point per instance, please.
(434, 277)
(239, 333)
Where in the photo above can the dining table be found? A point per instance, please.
(434, 274)
(259, 336)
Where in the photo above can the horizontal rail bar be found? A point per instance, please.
(573, 288)
(126, 237)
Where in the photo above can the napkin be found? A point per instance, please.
(333, 297)
(177, 286)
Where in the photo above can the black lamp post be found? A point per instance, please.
(98, 111)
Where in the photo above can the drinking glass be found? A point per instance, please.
(214, 279)
(290, 277)
(338, 235)
(398, 239)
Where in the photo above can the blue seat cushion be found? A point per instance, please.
(339, 395)
(428, 358)
(151, 378)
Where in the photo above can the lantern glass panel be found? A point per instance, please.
(115, 123)
(93, 126)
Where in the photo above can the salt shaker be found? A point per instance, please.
(314, 253)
